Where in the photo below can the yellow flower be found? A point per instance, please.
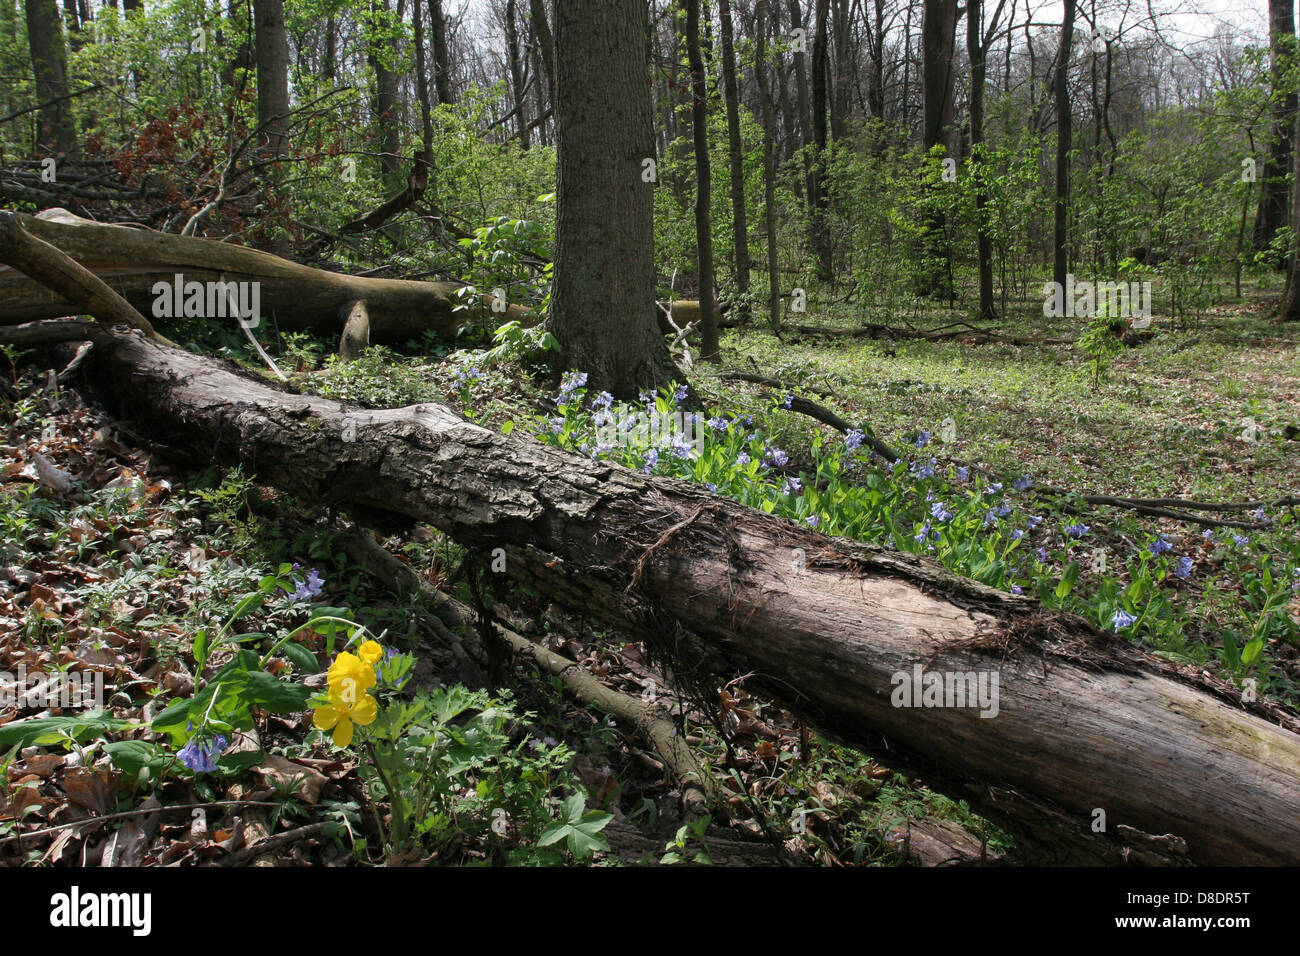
(340, 714)
(371, 652)
(350, 676)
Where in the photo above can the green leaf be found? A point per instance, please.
(1251, 651)
(51, 730)
(274, 694)
(200, 649)
(172, 717)
(247, 605)
(302, 658)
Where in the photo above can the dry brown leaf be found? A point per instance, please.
(92, 789)
(278, 771)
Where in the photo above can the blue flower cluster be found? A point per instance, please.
(202, 757)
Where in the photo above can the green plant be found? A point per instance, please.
(678, 848)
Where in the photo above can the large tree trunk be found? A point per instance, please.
(545, 42)
(56, 130)
(1273, 205)
(976, 48)
(1084, 721)
(603, 304)
(1061, 210)
(739, 214)
(703, 186)
(761, 72)
(441, 54)
(938, 38)
(385, 101)
(821, 93)
(272, 74)
(133, 261)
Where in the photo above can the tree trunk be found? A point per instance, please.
(545, 42)
(422, 84)
(769, 168)
(1273, 205)
(1181, 769)
(603, 301)
(134, 261)
(272, 45)
(1061, 209)
(739, 214)
(57, 131)
(383, 46)
(703, 186)
(515, 65)
(938, 38)
(441, 54)
(975, 51)
(821, 92)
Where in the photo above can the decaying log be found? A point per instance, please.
(53, 269)
(1084, 721)
(133, 261)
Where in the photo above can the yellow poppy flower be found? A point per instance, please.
(371, 652)
(339, 715)
(351, 676)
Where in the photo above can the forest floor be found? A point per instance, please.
(119, 570)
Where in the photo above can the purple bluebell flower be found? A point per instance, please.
(963, 473)
(792, 486)
(711, 486)
(1240, 540)
(310, 588)
(679, 395)
(603, 400)
(922, 439)
(1033, 521)
(1017, 589)
(994, 488)
(1017, 534)
(1208, 534)
(742, 459)
(777, 458)
(718, 424)
(651, 459)
(1043, 556)
(1023, 483)
(812, 521)
(788, 401)
(924, 470)
(853, 440)
(202, 757)
(1077, 530)
(1160, 545)
(939, 512)
(1185, 566)
(1122, 619)
(571, 382)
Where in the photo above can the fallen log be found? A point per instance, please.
(1084, 731)
(135, 261)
